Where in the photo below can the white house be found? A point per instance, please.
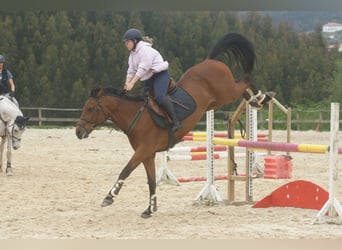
(331, 27)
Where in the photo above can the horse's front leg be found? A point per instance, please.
(2, 144)
(9, 157)
(9, 171)
(149, 165)
(114, 191)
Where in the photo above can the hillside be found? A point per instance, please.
(305, 21)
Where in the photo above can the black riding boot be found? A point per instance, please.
(168, 106)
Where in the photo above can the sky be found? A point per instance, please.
(229, 5)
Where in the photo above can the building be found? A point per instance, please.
(331, 27)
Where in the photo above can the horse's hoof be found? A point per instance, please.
(254, 104)
(9, 173)
(270, 94)
(107, 202)
(146, 215)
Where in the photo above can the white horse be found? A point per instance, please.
(12, 126)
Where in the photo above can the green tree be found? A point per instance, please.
(334, 87)
(58, 56)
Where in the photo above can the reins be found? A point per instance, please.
(92, 120)
(135, 118)
(137, 115)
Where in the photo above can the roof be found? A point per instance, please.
(333, 24)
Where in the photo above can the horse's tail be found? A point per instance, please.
(239, 47)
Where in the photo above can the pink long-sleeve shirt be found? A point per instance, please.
(144, 61)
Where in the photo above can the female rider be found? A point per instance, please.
(147, 65)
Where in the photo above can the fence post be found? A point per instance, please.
(40, 117)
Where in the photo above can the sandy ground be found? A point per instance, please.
(60, 181)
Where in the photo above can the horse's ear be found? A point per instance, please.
(21, 121)
(97, 92)
(101, 92)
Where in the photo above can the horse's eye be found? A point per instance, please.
(90, 110)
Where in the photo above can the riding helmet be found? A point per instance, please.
(2, 59)
(133, 34)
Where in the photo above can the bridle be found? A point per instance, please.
(92, 120)
(13, 137)
(11, 134)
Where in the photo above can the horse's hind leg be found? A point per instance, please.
(256, 98)
(149, 165)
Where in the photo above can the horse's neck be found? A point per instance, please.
(8, 110)
(122, 112)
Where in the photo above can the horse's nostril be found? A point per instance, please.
(81, 133)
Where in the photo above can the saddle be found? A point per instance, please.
(154, 106)
(183, 103)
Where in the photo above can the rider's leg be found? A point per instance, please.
(160, 87)
(168, 106)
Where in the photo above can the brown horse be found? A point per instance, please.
(211, 85)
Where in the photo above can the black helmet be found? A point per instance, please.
(133, 34)
(2, 58)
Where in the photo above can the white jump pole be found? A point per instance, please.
(254, 166)
(164, 174)
(331, 212)
(250, 160)
(209, 193)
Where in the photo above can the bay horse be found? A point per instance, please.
(210, 84)
(12, 127)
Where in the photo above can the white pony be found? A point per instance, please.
(12, 126)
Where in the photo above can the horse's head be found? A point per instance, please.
(92, 114)
(16, 130)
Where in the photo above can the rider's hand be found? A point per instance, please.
(11, 93)
(128, 86)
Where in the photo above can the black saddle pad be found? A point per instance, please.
(183, 103)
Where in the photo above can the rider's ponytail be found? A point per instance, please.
(147, 39)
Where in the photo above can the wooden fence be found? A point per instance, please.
(301, 119)
(51, 116)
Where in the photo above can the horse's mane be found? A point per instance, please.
(110, 91)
